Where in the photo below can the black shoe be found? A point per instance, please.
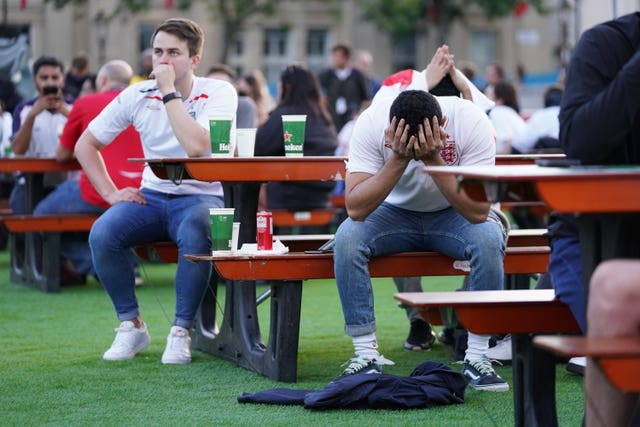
(445, 336)
(421, 336)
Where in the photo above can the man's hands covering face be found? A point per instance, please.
(425, 147)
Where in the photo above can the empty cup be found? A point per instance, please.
(246, 142)
(293, 126)
(221, 228)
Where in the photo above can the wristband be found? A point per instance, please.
(173, 95)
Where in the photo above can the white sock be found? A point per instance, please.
(366, 346)
(477, 346)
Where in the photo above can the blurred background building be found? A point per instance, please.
(531, 46)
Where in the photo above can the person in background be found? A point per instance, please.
(505, 115)
(363, 62)
(9, 95)
(171, 113)
(254, 85)
(299, 93)
(247, 115)
(493, 74)
(394, 206)
(6, 180)
(78, 195)
(38, 123)
(76, 76)
(89, 86)
(345, 88)
(542, 130)
(145, 66)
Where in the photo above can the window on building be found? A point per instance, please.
(405, 53)
(276, 53)
(483, 49)
(317, 49)
(145, 32)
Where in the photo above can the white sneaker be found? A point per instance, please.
(501, 351)
(129, 341)
(178, 351)
(576, 365)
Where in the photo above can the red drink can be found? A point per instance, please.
(264, 231)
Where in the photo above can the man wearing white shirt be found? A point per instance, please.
(171, 114)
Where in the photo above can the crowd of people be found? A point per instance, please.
(388, 128)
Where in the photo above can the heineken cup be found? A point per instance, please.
(293, 132)
(220, 135)
(221, 229)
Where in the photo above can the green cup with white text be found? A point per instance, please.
(220, 135)
(293, 127)
(221, 229)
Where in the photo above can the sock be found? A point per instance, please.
(477, 346)
(366, 346)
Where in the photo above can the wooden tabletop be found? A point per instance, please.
(36, 164)
(585, 189)
(253, 169)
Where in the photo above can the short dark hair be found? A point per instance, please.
(47, 60)
(344, 47)
(184, 29)
(445, 87)
(414, 106)
(224, 69)
(553, 96)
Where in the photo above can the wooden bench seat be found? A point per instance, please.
(618, 357)
(318, 217)
(520, 313)
(302, 266)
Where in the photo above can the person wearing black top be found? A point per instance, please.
(299, 94)
(599, 124)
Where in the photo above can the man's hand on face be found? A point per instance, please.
(396, 137)
(430, 141)
(165, 75)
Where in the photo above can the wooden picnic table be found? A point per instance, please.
(27, 258)
(238, 337)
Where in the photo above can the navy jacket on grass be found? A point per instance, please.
(430, 384)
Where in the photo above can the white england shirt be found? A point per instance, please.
(471, 141)
(141, 105)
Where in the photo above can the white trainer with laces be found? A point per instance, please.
(178, 350)
(129, 341)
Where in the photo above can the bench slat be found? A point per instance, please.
(619, 357)
(495, 312)
(301, 266)
(48, 223)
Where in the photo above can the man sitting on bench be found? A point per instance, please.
(394, 206)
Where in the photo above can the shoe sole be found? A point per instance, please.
(417, 347)
(496, 388)
(142, 346)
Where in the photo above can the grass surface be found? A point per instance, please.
(53, 374)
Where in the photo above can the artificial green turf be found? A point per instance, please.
(53, 374)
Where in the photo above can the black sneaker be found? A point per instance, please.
(360, 365)
(482, 376)
(445, 336)
(421, 336)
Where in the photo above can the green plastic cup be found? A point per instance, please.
(293, 126)
(221, 228)
(220, 136)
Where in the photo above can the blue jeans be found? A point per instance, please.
(74, 247)
(183, 219)
(389, 230)
(565, 269)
